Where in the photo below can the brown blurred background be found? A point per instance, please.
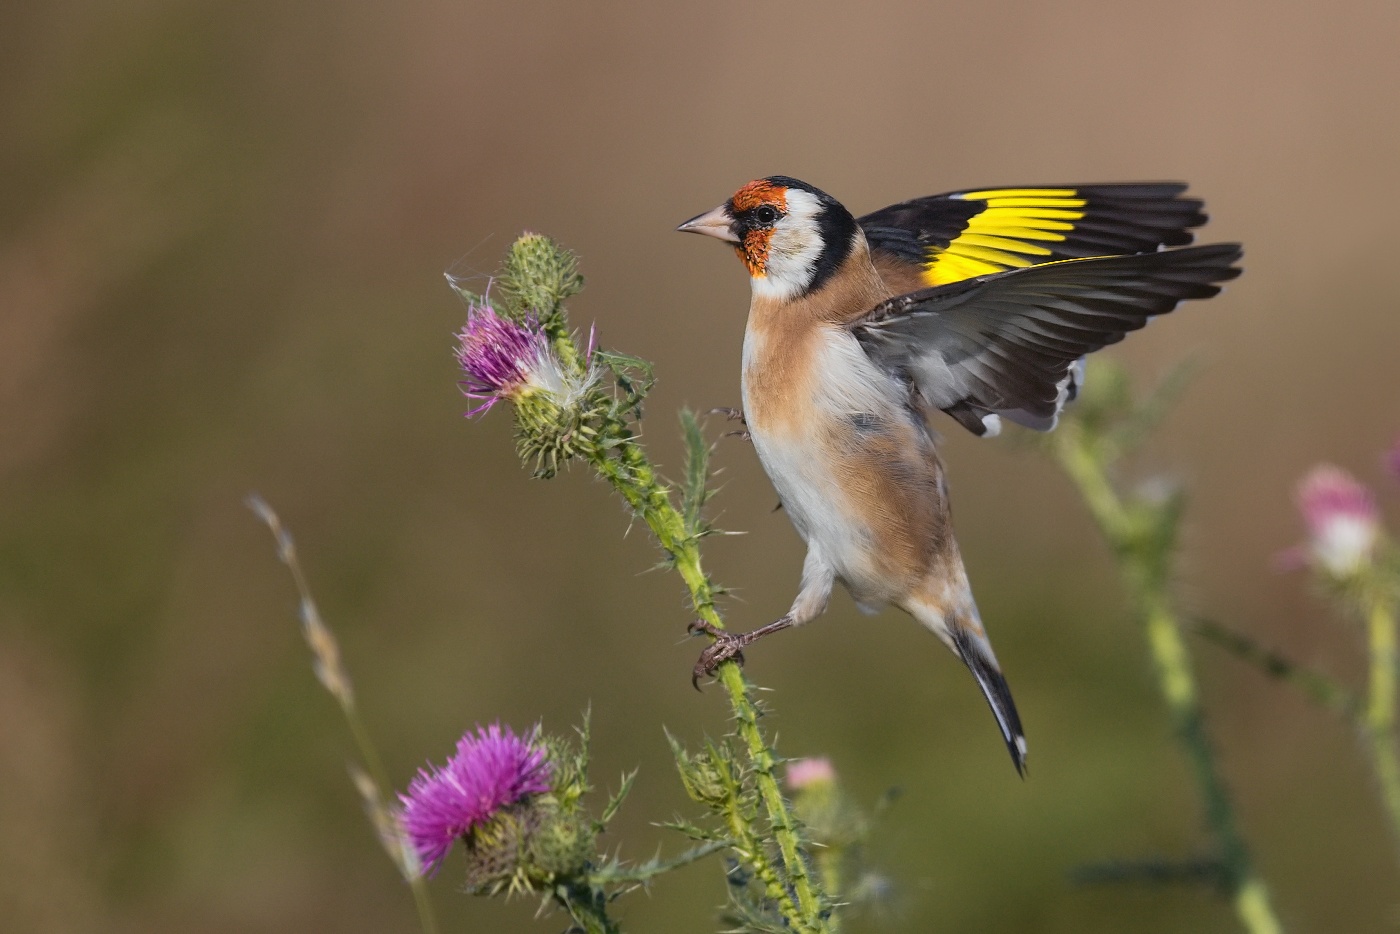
(222, 233)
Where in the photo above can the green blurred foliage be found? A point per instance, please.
(222, 233)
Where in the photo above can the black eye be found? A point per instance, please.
(765, 214)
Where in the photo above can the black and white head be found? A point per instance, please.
(791, 236)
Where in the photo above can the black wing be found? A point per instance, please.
(1007, 344)
(964, 234)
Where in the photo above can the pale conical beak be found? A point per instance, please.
(716, 223)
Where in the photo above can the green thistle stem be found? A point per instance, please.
(587, 908)
(537, 278)
(632, 475)
(1143, 552)
(751, 849)
(829, 860)
(1380, 706)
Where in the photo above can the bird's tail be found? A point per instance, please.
(958, 625)
(976, 653)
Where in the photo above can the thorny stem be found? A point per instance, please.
(751, 848)
(587, 908)
(1144, 564)
(632, 475)
(1380, 706)
(828, 859)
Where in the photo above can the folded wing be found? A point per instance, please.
(1006, 345)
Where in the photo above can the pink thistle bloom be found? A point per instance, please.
(493, 769)
(505, 359)
(1342, 519)
(501, 357)
(804, 773)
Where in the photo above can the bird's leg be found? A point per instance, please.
(817, 580)
(728, 645)
(733, 415)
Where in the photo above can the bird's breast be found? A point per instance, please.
(855, 470)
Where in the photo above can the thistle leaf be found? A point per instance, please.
(615, 802)
(692, 831)
(697, 473)
(634, 377)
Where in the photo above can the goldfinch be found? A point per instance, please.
(981, 304)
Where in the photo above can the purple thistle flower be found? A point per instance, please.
(1342, 519)
(500, 357)
(492, 770)
(804, 773)
(1392, 459)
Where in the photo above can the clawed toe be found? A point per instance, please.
(729, 412)
(726, 647)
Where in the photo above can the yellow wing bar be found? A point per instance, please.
(1003, 235)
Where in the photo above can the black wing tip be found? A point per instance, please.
(1219, 257)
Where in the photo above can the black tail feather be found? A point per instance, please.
(998, 695)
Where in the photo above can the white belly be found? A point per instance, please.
(796, 457)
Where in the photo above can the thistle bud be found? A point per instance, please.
(820, 804)
(804, 774)
(562, 845)
(701, 775)
(1343, 524)
(538, 277)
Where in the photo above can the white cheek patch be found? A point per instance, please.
(793, 250)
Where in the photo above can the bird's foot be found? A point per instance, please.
(730, 413)
(725, 647)
(733, 415)
(729, 645)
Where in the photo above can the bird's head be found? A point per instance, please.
(790, 235)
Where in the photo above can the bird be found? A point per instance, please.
(981, 304)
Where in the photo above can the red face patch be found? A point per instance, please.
(753, 250)
(760, 192)
(753, 245)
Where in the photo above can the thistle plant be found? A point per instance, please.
(838, 830)
(515, 803)
(564, 411)
(1141, 527)
(1356, 565)
(494, 778)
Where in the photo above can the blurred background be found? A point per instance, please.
(223, 228)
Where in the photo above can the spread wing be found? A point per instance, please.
(964, 234)
(1007, 345)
